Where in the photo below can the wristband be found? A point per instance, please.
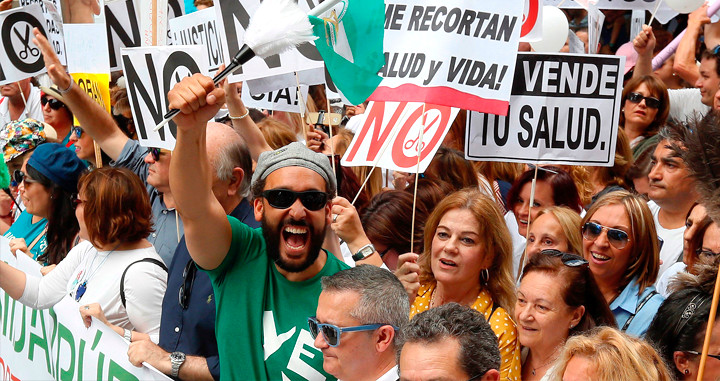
(64, 91)
(128, 335)
(247, 112)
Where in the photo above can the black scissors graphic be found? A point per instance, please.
(26, 41)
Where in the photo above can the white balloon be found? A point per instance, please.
(554, 30)
(684, 6)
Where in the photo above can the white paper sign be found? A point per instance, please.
(391, 134)
(90, 56)
(532, 21)
(460, 54)
(278, 100)
(233, 18)
(199, 28)
(153, 17)
(595, 24)
(663, 15)
(150, 73)
(564, 110)
(123, 29)
(19, 57)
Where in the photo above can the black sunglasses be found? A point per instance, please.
(571, 260)
(618, 238)
(54, 103)
(155, 152)
(20, 176)
(284, 198)
(188, 281)
(716, 357)
(78, 131)
(649, 101)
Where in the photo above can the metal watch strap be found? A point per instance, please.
(176, 361)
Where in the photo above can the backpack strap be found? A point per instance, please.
(122, 278)
(638, 308)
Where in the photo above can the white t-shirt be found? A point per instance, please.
(518, 241)
(33, 108)
(686, 103)
(661, 286)
(145, 285)
(672, 247)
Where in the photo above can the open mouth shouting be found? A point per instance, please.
(295, 238)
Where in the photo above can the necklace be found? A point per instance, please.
(542, 366)
(432, 299)
(82, 287)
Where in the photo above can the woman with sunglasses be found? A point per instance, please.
(47, 181)
(621, 245)
(85, 147)
(678, 329)
(467, 260)
(56, 113)
(557, 298)
(645, 109)
(115, 272)
(553, 187)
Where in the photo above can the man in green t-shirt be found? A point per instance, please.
(267, 280)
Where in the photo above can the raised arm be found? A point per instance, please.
(644, 43)
(685, 64)
(245, 127)
(94, 119)
(207, 230)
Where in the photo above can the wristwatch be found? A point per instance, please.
(364, 252)
(176, 360)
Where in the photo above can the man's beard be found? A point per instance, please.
(273, 238)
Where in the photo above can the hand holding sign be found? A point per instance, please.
(198, 100)
(52, 63)
(644, 42)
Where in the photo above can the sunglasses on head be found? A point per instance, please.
(649, 101)
(78, 131)
(571, 260)
(331, 333)
(20, 176)
(54, 103)
(284, 198)
(618, 238)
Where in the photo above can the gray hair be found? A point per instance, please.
(383, 299)
(479, 351)
(235, 154)
(674, 135)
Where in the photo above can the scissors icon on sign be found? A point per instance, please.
(413, 142)
(26, 42)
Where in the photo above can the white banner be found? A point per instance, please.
(391, 134)
(150, 73)
(279, 100)
(459, 54)
(198, 28)
(564, 110)
(532, 21)
(663, 15)
(233, 18)
(54, 344)
(19, 57)
(153, 16)
(90, 56)
(123, 29)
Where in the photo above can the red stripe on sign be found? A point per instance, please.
(444, 96)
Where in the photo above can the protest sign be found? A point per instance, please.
(563, 110)
(663, 15)
(233, 18)
(53, 344)
(279, 100)
(153, 22)
(391, 134)
(96, 86)
(198, 28)
(459, 54)
(123, 29)
(53, 24)
(19, 57)
(90, 56)
(150, 73)
(532, 21)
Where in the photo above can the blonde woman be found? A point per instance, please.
(555, 227)
(606, 354)
(467, 260)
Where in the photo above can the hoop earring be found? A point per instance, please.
(484, 276)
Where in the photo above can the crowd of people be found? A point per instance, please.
(248, 252)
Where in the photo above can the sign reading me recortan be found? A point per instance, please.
(563, 109)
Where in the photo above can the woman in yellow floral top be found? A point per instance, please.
(468, 260)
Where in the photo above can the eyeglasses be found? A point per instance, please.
(571, 260)
(618, 238)
(716, 357)
(708, 254)
(54, 103)
(188, 281)
(284, 198)
(76, 201)
(20, 176)
(331, 333)
(155, 152)
(649, 101)
(78, 131)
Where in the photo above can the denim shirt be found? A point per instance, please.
(192, 330)
(624, 306)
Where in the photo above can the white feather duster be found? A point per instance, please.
(277, 26)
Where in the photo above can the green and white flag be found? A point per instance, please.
(350, 40)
